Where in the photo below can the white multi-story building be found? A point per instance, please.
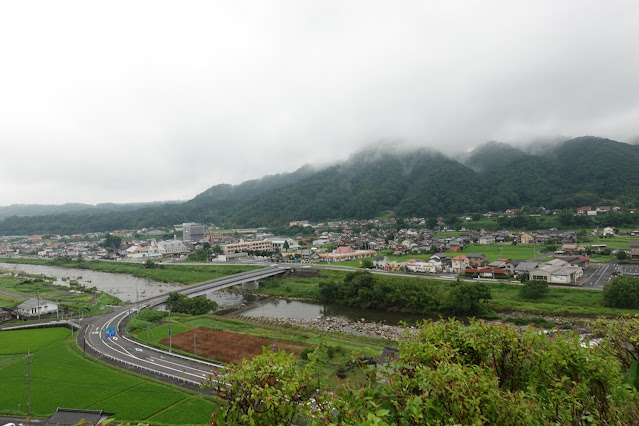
(264, 245)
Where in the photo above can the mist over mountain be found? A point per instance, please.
(420, 182)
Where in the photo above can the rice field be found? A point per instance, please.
(61, 377)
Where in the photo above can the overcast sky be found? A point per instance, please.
(126, 101)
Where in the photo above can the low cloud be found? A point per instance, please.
(153, 100)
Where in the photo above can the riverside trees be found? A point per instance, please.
(388, 292)
(198, 305)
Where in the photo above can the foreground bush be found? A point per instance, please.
(446, 373)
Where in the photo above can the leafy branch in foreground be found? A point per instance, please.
(446, 372)
(270, 389)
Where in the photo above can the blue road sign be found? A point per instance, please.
(109, 332)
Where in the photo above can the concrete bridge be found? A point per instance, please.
(249, 281)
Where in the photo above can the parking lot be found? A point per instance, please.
(607, 271)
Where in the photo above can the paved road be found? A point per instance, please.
(126, 351)
(95, 332)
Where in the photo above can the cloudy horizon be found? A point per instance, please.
(144, 101)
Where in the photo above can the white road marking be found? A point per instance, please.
(181, 365)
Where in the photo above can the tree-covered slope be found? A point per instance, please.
(495, 176)
(601, 166)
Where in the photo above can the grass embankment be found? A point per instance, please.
(10, 302)
(339, 351)
(184, 274)
(61, 377)
(505, 297)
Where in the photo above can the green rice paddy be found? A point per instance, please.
(61, 377)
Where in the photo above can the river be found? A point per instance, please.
(130, 289)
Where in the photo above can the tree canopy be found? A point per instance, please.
(198, 305)
(622, 292)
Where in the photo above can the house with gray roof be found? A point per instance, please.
(68, 417)
(557, 271)
(524, 267)
(35, 307)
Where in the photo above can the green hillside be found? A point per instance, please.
(496, 176)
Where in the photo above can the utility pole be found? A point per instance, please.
(169, 330)
(28, 384)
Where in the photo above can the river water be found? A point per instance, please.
(130, 289)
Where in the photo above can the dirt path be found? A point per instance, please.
(12, 294)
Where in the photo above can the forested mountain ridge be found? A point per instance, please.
(69, 208)
(425, 183)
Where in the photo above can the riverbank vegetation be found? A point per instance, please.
(168, 273)
(427, 295)
(74, 299)
(365, 290)
(181, 303)
(61, 377)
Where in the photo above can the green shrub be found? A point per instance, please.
(534, 289)
(622, 292)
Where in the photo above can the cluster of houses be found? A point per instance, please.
(85, 245)
(579, 211)
(564, 270)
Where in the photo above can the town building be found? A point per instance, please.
(557, 271)
(460, 263)
(242, 246)
(341, 254)
(167, 248)
(192, 231)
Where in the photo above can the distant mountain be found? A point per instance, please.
(69, 208)
(495, 176)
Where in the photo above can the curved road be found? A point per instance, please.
(104, 336)
(118, 347)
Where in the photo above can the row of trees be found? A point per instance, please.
(447, 373)
(366, 290)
